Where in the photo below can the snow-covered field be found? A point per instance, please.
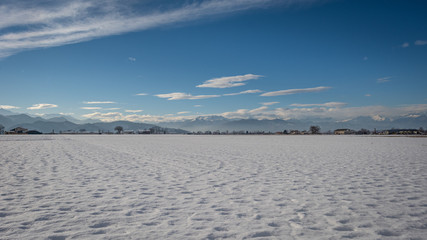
(213, 187)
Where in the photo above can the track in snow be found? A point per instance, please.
(212, 187)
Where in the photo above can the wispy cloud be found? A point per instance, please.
(383, 80)
(344, 113)
(339, 114)
(132, 59)
(99, 102)
(90, 108)
(183, 112)
(8, 107)
(38, 24)
(405, 45)
(141, 94)
(294, 91)
(184, 96)
(133, 111)
(197, 106)
(243, 92)
(42, 106)
(228, 82)
(421, 42)
(108, 117)
(328, 104)
(269, 103)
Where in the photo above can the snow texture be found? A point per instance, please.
(212, 187)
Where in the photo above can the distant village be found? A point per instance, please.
(314, 130)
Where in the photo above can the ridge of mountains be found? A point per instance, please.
(212, 123)
(61, 123)
(58, 122)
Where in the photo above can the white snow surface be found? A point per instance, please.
(212, 187)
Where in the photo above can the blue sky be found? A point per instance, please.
(156, 61)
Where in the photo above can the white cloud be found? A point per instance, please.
(116, 116)
(8, 107)
(133, 111)
(383, 79)
(421, 42)
(328, 104)
(339, 114)
(269, 103)
(197, 105)
(405, 45)
(42, 106)
(294, 91)
(99, 102)
(183, 112)
(91, 108)
(141, 94)
(378, 118)
(378, 113)
(228, 82)
(132, 59)
(182, 96)
(108, 117)
(37, 24)
(243, 92)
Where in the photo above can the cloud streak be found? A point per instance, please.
(328, 104)
(184, 96)
(420, 42)
(383, 79)
(228, 82)
(243, 92)
(42, 106)
(269, 103)
(294, 91)
(99, 102)
(38, 24)
(8, 107)
(133, 111)
(90, 108)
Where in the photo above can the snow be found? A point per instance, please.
(212, 187)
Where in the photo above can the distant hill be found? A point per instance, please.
(5, 112)
(62, 117)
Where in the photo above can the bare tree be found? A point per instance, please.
(315, 130)
(119, 129)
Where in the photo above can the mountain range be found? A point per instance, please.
(58, 122)
(65, 123)
(213, 123)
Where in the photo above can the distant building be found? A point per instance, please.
(17, 130)
(1, 129)
(144, 132)
(401, 132)
(343, 131)
(33, 132)
(294, 132)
